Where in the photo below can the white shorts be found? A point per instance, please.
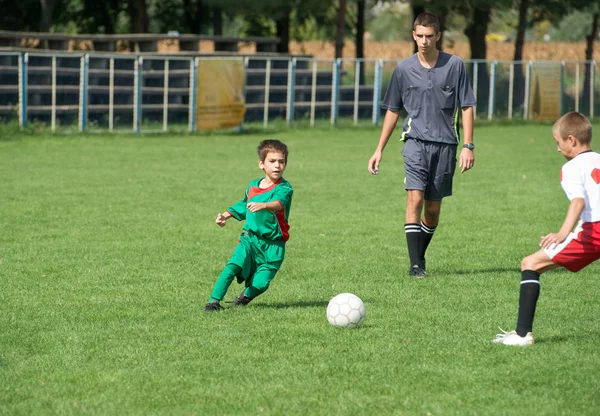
(580, 248)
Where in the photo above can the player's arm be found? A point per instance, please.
(389, 124)
(467, 156)
(273, 206)
(573, 213)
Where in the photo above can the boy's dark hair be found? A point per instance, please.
(574, 124)
(427, 20)
(267, 146)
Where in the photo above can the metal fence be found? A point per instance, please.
(144, 93)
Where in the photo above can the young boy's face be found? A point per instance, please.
(273, 165)
(566, 146)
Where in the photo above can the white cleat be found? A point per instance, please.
(512, 338)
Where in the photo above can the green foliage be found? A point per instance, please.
(572, 28)
(109, 250)
(388, 27)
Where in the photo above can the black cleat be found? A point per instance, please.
(213, 307)
(417, 272)
(241, 300)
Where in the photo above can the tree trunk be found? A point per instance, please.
(476, 32)
(360, 34)
(589, 56)
(47, 8)
(138, 12)
(194, 11)
(339, 34)
(217, 21)
(107, 19)
(417, 9)
(442, 18)
(283, 33)
(519, 79)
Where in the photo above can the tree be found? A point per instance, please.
(341, 24)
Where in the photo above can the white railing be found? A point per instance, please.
(144, 93)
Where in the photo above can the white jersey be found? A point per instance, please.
(580, 178)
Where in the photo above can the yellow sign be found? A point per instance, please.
(220, 94)
(544, 99)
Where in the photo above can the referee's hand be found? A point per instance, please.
(467, 160)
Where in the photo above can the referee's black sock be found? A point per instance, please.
(530, 291)
(413, 237)
(426, 236)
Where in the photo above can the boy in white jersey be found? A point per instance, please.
(570, 248)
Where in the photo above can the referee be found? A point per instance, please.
(432, 86)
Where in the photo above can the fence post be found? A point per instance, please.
(335, 90)
(111, 94)
(53, 110)
(577, 86)
(313, 93)
(267, 91)
(137, 95)
(492, 90)
(23, 62)
(356, 90)
(83, 91)
(193, 94)
(527, 88)
(290, 91)
(166, 95)
(377, 91)
(475, 83)
(592, 82)
(562, 87)
(511, 89)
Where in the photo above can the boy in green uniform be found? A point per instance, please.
(261, 247)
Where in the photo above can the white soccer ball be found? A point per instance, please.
(346, 311)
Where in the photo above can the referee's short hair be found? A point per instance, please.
(427, 20)
(573, 124)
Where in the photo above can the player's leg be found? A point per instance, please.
(532, 267)
(239, 264)
(417, 172)
(412, 229)
(429, 222)
(258, 284)
(223, 282)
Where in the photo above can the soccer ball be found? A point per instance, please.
(346, 311)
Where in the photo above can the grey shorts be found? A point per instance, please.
(429, 167)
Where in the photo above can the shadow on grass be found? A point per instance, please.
(567, 337)
(285, 305)
(487, 270)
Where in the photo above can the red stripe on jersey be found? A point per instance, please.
(283, 225)
(255, 190)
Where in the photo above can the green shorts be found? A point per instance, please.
(254, 254)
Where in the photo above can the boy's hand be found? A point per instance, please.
(551, 239)
(221, 219)
(256, 206)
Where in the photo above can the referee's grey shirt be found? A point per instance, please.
(432, 97)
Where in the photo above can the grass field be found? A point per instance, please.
(109, 251)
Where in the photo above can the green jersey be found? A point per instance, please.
(264, 223)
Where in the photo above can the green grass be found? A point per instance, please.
(109, 251)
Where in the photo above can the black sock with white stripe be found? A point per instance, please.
(530, 291)
(413, 237)
(426, 236)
